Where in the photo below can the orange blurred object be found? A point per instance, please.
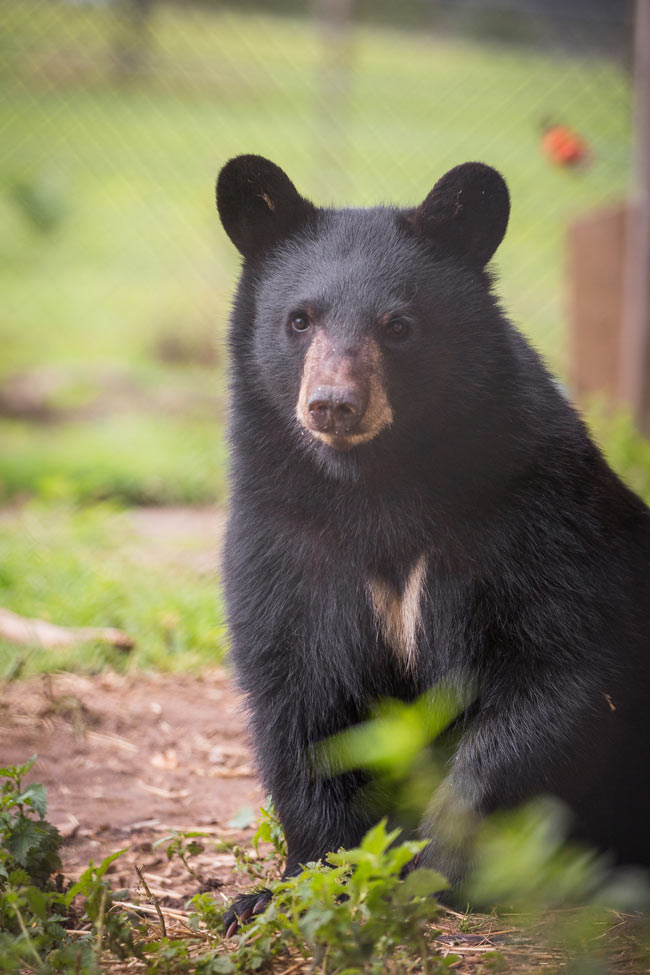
(564, 147)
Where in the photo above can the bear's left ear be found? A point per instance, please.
(466, 212)
(258, 204)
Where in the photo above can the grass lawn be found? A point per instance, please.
(88, 567)
(138, 250)
(116, 277)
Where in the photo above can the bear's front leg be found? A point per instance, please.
(320, 816)
(526, 739)
(320, 813)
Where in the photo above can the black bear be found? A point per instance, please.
(413, 500)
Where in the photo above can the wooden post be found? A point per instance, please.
(635, 350)
(596, 243)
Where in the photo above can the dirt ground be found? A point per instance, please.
(127, 759)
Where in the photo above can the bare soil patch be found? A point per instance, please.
(186, 536)
(125, 759)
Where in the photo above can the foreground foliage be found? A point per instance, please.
(354, 917)
(360, 915)
(38, 910)
(365, 912)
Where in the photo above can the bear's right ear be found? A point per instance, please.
(258, 204)
(466, 213)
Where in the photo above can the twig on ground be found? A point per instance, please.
(19, 629)
(154, 900)
(146, 909)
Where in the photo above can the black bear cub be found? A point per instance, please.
(414, 501)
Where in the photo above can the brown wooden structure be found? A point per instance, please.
(609, 272)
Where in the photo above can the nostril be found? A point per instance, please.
(320, 414)
(345, 409)
(321, 411)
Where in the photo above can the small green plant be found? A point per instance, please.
(363, 912)
(270, 830)
(37, 909)
(184, 845)
(32, 909)
(354, 914)
(28, 843)
(114, 928)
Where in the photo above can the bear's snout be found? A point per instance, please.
(336, 409)
(342, 400)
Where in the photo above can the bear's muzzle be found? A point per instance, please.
(342, 400)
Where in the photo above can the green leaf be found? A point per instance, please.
(422, 883)
(242, 819)
(17, 772)
(106, 862)
(193, 848)
(37, 901)
(44, 860)
(90, 881)
(377, 840)
(223, 965)
(34, 796)
(18, 878)
(23, 838)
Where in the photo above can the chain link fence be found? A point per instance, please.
(360, 105)
(118, 115)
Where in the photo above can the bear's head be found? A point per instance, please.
(352, 326)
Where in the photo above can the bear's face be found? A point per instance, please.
(359, 314)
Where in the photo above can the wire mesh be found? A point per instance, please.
(134, 106)
(116, 117)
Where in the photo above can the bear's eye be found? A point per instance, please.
(397, 328)
(299, 321)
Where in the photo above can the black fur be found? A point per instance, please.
(537, 585)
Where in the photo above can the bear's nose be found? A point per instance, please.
(336, 409)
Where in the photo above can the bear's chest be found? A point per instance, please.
(397, 608)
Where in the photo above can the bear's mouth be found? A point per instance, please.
(343, 442)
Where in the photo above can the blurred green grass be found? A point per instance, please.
(88, 567)
(134, 458)
(137, 162)
(113, 264)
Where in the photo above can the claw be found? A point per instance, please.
(245, 915)
(260, 904)
(232, 929)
